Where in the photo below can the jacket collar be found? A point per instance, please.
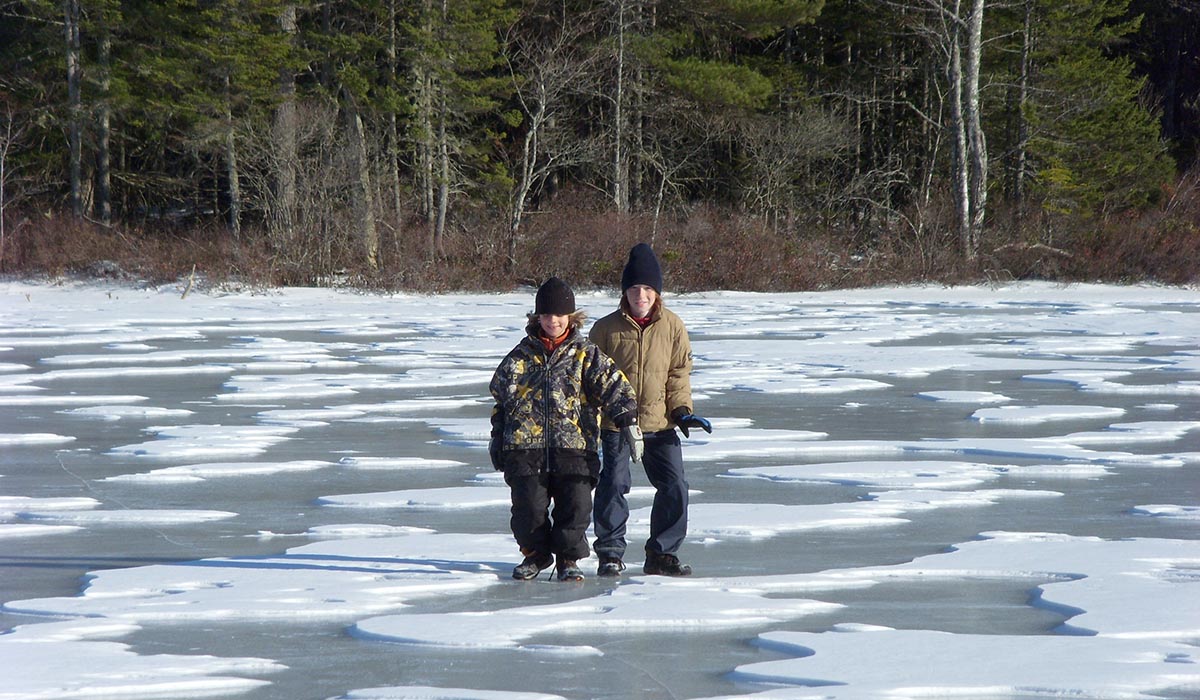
(533, 338)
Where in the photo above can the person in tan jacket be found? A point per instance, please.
(650, 344)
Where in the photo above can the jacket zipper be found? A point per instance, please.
(546, 407)
(641, 363)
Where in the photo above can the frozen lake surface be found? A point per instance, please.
(909, 492)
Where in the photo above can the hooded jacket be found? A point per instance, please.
(657, 360)
(548, 405)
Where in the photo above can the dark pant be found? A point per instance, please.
(663, 462)
(562, 532)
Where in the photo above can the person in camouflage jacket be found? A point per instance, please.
(550, 391)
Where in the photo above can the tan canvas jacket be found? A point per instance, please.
(656, 359)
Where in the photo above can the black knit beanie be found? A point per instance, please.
(642, 268)
(554, 297)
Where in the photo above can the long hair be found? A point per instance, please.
(576, 320)
(654, 308)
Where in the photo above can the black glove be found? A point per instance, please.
(494, 453)
(685, 420)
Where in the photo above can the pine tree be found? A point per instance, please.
(204, 78)
(1166, 49)
(31, 89)
(1095, 147)
(695, 68)
(460, 89)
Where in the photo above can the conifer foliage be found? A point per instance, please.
(332, 131)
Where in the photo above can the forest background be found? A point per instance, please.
(477, 144)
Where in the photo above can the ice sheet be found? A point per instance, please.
(303, 389)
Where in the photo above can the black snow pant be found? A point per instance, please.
(561, 531)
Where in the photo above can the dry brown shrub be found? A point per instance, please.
(577, 236)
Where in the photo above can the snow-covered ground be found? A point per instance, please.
(909, 492)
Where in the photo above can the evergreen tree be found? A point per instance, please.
(1166, 49)
(697, 68)
(838, 113)
(239, 53)
(460, 89)
(867, 65)
(204, 75)
(349, 41)
(1095, 147)
(33, 89)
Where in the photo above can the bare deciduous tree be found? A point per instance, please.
(103, 204)
(546, 70)
(71, 19)
(955, 33)
(364, 195)
(12, 131)
(282, 220)
(780, 159)
(623, 12)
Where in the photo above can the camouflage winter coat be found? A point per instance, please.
(547, 413)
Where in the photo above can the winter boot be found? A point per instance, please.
(532, 565)
(610, 567)
(568, 570)
(664, 565)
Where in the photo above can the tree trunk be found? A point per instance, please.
(977, 142)
(521, 194)
(443, 182)
(436, 244)
(958, 121)
(637, 92)
(283, 221)
(231, 168)
(620, 177)
(103, 204)
(423, 84)
(364, 207)
(393, 53)
(71, 17)
(1022, 130)
(424, 165)
(970, 146)
(8, 138)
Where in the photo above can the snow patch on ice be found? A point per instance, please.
(964, 396)
(85, 667)
(1044, 414)
(1168, 511)
(452, 498)
(219, 470)
(418, 692)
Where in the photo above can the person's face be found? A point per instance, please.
(553, 325)
(641, 299)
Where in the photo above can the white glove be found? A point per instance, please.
(632, 435)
